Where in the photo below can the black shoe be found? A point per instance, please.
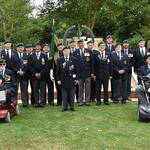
(123, 101)
(106, 103)
(36, 105)
(87, 104)
(72, 109)
(25, 105)
(98, 103)
(115, 101)
(64, 110)
(80, 104)
(41, 105)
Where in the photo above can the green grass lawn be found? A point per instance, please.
(113, 127)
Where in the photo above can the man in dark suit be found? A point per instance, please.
(8, 54)
(67, 77)
(139, 55)
(37, 65)
(129, 52)
(20, 69)
(120, 69)
(86, 71)
(60, 47)
(103, 72)
(29, 51)
(72, 45)
(49, 75)
(90, 45)
(7, 80)
(110, 47)
(143, 71)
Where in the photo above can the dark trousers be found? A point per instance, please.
(39, 91)
(119, 88)
(93, 90)
(77, 92)
(23, 90)
(32, 93)
(59, 93)
(99, 84)
(68, 97)
(112, 91)
(50, 86)
(128, 85)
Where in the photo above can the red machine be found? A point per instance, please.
(7, 112)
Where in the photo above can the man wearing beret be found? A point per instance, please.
(109, 44)
(90, 45)
(37, 65)
(120, 64)
(130, 53)
(103, 72)
(29, 51)
(67, 78)
(20, 66)
(139, 55)
(8, 53)
(85, 63)
(49, 74)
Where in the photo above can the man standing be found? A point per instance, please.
(109, 44)
(103, 72)
(8, 54)
(90, 45)
(67, 77)
(130, 54)
(20, 68)
(139, 55)
(120, 69)
(86, 71)
(37, 66)
(49, 75)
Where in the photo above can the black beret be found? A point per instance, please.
(108, 36)
(117, 45)
(102, 42)
(46, 45)
(142, 39)
(19, 45)
(90, 42)
(80, 41)
(125, 41)
(7, 41)
(66, 47)
(71, 41)
(29, 46)
(37, 43)
(59, 44)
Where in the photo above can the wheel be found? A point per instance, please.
(7, 119)
(17, 110)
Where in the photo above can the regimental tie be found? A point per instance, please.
(38, 56)
(142, 52)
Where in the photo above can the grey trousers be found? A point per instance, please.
(141, 94)
(84, 90)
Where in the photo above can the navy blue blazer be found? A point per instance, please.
(119, 65)
(85, 63)
(38, 66)
(102, 66)
(67, 72)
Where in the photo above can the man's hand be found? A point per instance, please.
(38, 75)
(110, 78)
(92, 75)
(121, 71)
(59, 82)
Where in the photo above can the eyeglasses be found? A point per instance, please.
(2, 64)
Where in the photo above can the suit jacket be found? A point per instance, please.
(110, 50)
(38, 66)
(85, 63)
(23, 64)
(102, 66)
(8, 79)
(139, 60)
(131, 59)
(67, 72)
(8, 60)
(119, 65)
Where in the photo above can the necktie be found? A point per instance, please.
(7, 53)
(38, 56)
(142, 52)
(109, 47)
(119, 55)
(126, 51)
(81, 52)
(102, 55)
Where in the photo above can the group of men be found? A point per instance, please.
(79, 70)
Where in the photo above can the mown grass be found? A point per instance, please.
(113, 127)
